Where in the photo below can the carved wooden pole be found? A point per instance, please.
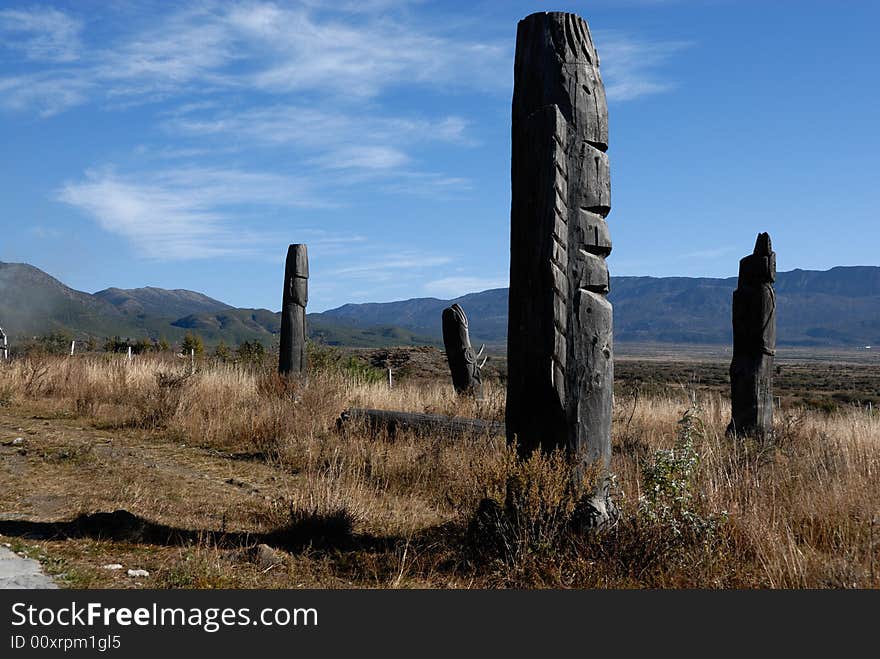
(754, 343)
(292, 359)
(559, 343)
(466, 376)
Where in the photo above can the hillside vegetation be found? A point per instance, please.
(837, 307)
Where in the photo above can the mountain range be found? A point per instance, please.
(836, 307)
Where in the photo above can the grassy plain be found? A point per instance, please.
(232, 478)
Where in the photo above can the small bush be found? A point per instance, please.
(157, 405)
(327, 359)
(535, 519)
(192, 342)
(668, 502)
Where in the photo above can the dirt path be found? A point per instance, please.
(56, 470)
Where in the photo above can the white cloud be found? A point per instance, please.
(426, 184)
(317, 128)
(341, 54)
(365, 145)
(357, 58)
(185, 213)
(327, 244)
(41, 34)
(453, 287)
(255, 47)
(363, 157)
(629, 65)
(49, 94)
(391, 265)
(709, 253)
(191, 47)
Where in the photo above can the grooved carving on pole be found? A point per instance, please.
(292, 358)
(754, 342)
(560, 369)
(463, 361)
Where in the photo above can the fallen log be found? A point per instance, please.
(393, 422)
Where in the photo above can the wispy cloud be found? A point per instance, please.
(391, 265)
(710, 253)
(452, 287)
(327, 244)
(630, 66)
(256, 47)
(47, 93)
(187, 213)
(315, 80)
(373, 272)
(331, 139)
(358, 59)
(41, 34)
(426, 184)
(346, 53)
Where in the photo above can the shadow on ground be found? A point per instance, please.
(330, 531)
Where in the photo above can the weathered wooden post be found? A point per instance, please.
(559, 339)
(292, 359)
(466, 376)
(754, 343)
(4, 346)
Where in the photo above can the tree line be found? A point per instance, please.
(59, 343)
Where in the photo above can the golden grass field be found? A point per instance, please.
(212, 465)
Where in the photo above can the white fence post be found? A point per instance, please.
(72, 347)
(4, 347)
(390, 380)
(129, 353)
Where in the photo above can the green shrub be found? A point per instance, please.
(192, 342)
(668, 501)
(328, 359)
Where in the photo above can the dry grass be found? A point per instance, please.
(234, 456)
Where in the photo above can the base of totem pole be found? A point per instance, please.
(497, 529)
(595, 512)
(751, 382)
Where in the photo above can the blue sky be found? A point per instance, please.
(184, 145)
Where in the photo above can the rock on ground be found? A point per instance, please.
(18, 572)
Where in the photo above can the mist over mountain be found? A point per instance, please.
(837, 307)
(33, 302)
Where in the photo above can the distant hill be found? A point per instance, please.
(33, 303)
(837, 307)
(160, 302)
(486, 311)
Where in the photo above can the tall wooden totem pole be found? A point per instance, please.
(292, 359)
(560, 370)
(754, 343)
